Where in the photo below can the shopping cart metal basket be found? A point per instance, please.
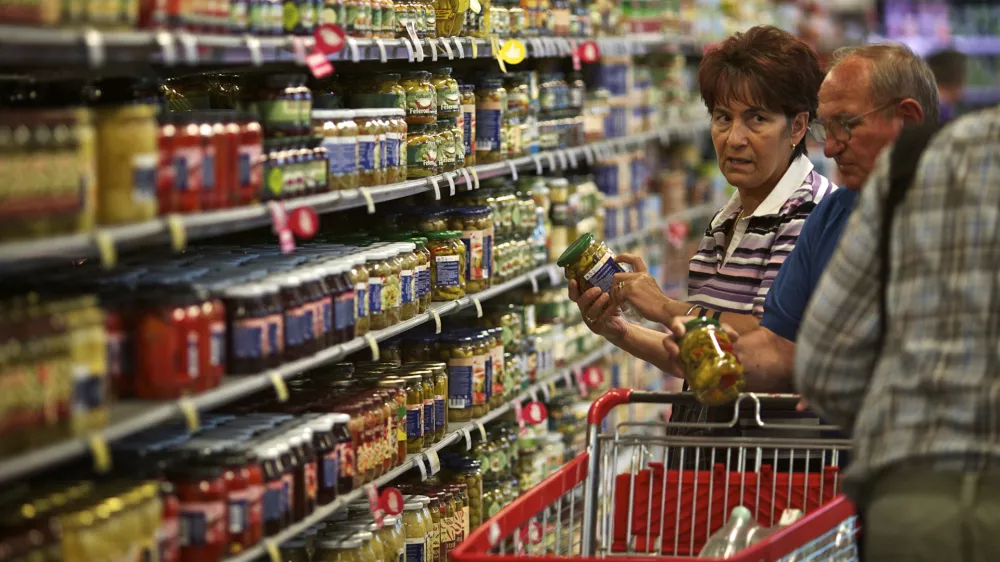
(641, 491)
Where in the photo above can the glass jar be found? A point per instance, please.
(429, 219)
(379, 274)
(440, 371)
(467, 121)
(459, 143)
(392, 285)
(461, 469)
(590, 263)
(126, 163)
(371, 134)
(447, 94)
(495, 345)
(398, 437)
(466, 385)
(409, 300)
(423, 272)
(358, 278)
(395, 537)
(414, 413)
(338, 550)
(447, 265)
(421, 102)
(711, 368)
(427, 390)
(491, 112)
(396, 132)
(417, 528)
(358, 18)
(388, 84)
(447, 157)
(476, 226)
(421, 152)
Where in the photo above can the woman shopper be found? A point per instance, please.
(760, 88)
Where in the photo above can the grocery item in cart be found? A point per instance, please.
(710, 366)
(732, 537)
(590, 263)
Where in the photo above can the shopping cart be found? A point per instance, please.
(643, 492)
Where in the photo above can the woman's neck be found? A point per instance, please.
(752, 197)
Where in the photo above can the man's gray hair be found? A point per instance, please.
(897, 73)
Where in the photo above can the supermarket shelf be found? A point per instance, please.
(695, 212)
(24, 46)
(34, 253)
(457, 433)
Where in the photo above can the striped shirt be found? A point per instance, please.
(738, 280)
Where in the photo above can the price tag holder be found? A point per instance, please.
(168, 48)
(433, 462)
(418, 461)
(434, 50)
(451, 182)
(588, 154)
(447, 48)
(479, 307)
(409, 49)
(513, 169)
(546, 395)
(437, 321)
(253, 47)
(555, 275)
(567, 378)
(189, 47)
(369, 202)
(106, 249)
(538, 164)
(353, 49)
(459, 47)
(373, 345)
(190, 412)
(280, 388)
(552, 160)
(99, 452)
(563, 159)
(436, 187)
(482, 430)
(533, 394)
(468, 179)
(518, 411)
(382, 56)
(534, 283)
(571, 154)
(272, 551)
(474, 43)
(475, 177)
(467, 433)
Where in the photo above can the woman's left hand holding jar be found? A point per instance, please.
(640, 290)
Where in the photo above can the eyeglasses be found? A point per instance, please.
(840, 129)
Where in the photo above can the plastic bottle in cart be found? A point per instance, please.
(732, 537)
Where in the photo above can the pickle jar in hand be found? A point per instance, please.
(711, 368)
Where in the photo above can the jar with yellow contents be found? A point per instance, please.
(379, 275)
(416, 524)
(371, 135)
(427, 387)
(338, 550)
(466, 377)
(449, 99)
(440, 371)
(414, 413)
(447, 265)
(126, 156)
(421, 152)
(357, 276)
(476, 226)
(444, 136)
(491, 113)
(421, 102)
(423, 272)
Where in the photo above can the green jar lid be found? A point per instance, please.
(575, 249)
(699, 322)
(443, 234)
(419, 240)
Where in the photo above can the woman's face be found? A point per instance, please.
(753, 145)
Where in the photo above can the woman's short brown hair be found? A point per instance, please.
(764, 67)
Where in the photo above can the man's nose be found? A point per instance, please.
(832, 147)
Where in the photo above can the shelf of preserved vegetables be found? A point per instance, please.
(128, 417)
(30, 253)
(29, 46)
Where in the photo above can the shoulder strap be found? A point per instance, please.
(902, 169)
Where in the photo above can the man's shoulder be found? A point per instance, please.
(977, 127)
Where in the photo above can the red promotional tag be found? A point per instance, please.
(330, 38)
(589, 51)
(318, 65)
(677, 232)
(304, 222)
(279, 218)
(287, 241)
(392, 501)
(535, 413)
(373, 504)
(593, 376)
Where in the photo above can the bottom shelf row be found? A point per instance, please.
(285, 482)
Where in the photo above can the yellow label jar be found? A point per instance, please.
(449, 100)
(126, 163)
(421, 152)
(421, 98)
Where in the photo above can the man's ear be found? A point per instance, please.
(909, 111)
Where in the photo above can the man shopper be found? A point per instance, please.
(948, 66)
(868, 95)
(900, 343)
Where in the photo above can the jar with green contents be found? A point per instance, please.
(397, 435)
(371, 134)
(421, 151)
(357, 18)
(469, 472)
(447, 265)
(409, 301)
(357, 276)
(426, 526)
(434, 510)
(379, 272)
(491, 112)
(429, 219)
(416, 529)
(482, 363)
(421, 98)
(466, 385)
(449, 100)
(392, 287)
(388, 84)
(418, 348)
(427, 386)
(495, 343)
(590, 263)
(395, 537)
(423, 272)
(711, 368)
(397, 154)
(440, 371)
(456, 135)
(338, 550)
(476, 226)
(445, 147)
(414, 413)
(339, 136)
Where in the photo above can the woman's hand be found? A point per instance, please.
(640, 290)
(601, 315)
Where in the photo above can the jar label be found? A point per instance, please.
(357, 19)
(414, 421)
(449, 101)
(187, 169)
(202, 523)
(361, 299)
(440, 417)
(476, 265)
(407, 286)
(330, 470)
(310, 482)
(342, 155)
(369, 153)
(383, 144)
(144, 178)
(423, 280)
(249, 165)
(289, 16)
(249, 338)
(420, 102)
(327, 325)
(272, 500)
(192, 355)
(447, 271)
(345, 454)
(499, 379)
(488, 253)
(489, 127)
(239, 509)
(447, 154)
(422, 155)
(332, 14)
(430, 421)
(415, 550)
(287, 493)
(275, 335)
(343, 312)
(469, 128)
(603, 272)
(487, 365)
(460, 391)
(217, 347)
(392, 154)
(375, 295)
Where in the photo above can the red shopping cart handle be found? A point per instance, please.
(747, 402)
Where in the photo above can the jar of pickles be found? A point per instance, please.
(421, 152)
(467, 398)
(338, 134)
(396, 134)
(448, 97)
(422, 273)
(371, 138)
(421, 98)
(414, 413)
(467, 121)
(711, 368)
(590, 263)
(357, 277)
(388, 85)
(448, 265)
(417, 524)
(379, 273)
(491, 113)
(445, 140)
(409, 301)
(476, 226)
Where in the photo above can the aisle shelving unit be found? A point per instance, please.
(96, 48)
(25, 254)
(457, 433)
(132, 416)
